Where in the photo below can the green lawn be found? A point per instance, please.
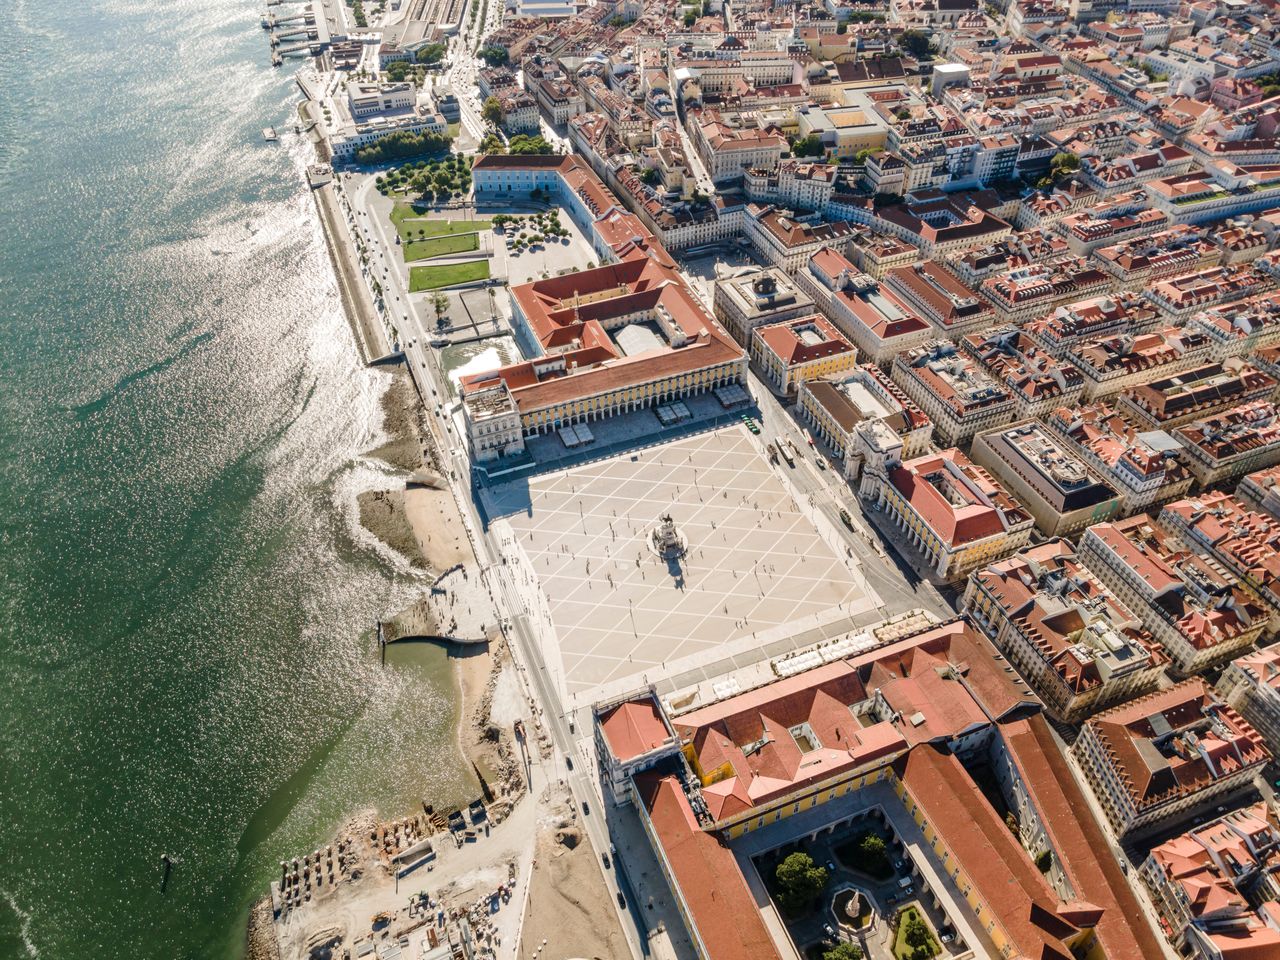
(409, 222)
(436, 246)
(447, 274)
(903, 950)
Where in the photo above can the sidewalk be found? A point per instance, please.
(371, 338)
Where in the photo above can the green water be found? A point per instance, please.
(185, 599)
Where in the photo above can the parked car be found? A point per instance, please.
(622, 901)
(604, 858)
(831, 866)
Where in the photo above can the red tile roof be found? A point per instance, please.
(1078, 839)
(784, 339)
(633, 728)
(979, 515)
(725, 915)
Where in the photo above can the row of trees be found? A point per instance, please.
(416, 70)
(521, 145)
(402, 145)
(491, 112)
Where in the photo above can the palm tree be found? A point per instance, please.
(440, 304)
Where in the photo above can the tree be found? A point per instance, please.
(1011, 822)
(862, 155)
(440, 304)
(917, 936)
(491, 112)
(1064, 162)
(650, 175)
(810, 146)
(397, 70)
(690, 17)
(885, 199)
(494, 56)
(843, 951)
(872, 846)
(616, 22)
(1044, 860)
(432, 53)
(916, 43)
(523, 145)
(403, 144)
(799, 881)
(492, 143)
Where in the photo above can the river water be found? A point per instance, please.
(186, 600)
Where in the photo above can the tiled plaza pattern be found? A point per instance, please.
(754, 561)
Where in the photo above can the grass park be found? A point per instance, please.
(446, 275)
(412, 225)
(439, 246)
(914, 939)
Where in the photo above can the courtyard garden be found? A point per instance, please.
(868, 853)
(914, 940)
(797, 884)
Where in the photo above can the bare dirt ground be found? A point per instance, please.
(569, 913)
(486, 740)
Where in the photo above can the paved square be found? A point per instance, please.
(756, 568)
(549, 258)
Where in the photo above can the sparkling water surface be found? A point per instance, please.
(186, 599)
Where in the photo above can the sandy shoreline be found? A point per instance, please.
(416, 516)
(419, 517)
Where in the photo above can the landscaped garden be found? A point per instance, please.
(447, 274)
(867, 853)
(411, 223)
(433, 180)
(438, 246)
(914, 940)
(526, 232)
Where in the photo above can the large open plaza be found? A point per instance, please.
(755, 570)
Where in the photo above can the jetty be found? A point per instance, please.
(304, 31)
